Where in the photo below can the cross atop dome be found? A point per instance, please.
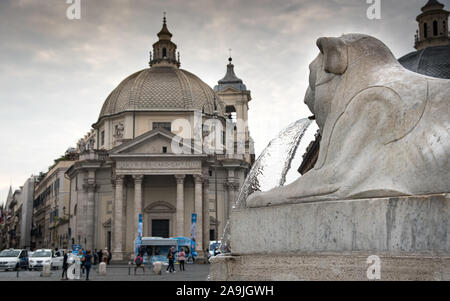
(164, 34)
(164, 51)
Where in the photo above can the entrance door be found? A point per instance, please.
(160, 228)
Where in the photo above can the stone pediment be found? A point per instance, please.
(152, 142)
(160, 207)
(230, 89)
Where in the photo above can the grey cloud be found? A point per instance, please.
(56, 73)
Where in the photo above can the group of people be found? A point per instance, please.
(139, 261)
(86, 257)
(102, 256)
(171, 258)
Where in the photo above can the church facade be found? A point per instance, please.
(158, 150)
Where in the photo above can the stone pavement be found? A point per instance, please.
(193, 272)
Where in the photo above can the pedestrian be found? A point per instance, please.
(100, 255)
(139, 260)
(109, 257)
(181, 259)
(105, 255)
(82, 259)
(170, 257)
(88, 263)
(65, 267)
(95, 256)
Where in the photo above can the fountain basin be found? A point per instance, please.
(332, 240)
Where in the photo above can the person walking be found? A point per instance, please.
(65, 267)
(95, 255)
(88, 263)
(100, 255)
(139, 260)
(82, 260)
(170, 257)
(109, 257)
(181, 259)
(105, 255)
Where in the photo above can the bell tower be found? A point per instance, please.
(164, 51)
(433, 26)
(236, 97)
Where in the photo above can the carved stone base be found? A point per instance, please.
(328, 267)
(333, 240)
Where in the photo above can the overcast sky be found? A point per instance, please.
(55, 73)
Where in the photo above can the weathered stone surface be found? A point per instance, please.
(328, 267)
(385, 130)
(396, 225)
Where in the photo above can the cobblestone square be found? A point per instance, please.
(193, 272)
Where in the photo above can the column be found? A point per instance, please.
(124, 216)
(230, 186)
(90, 210)
(198, 203)
(180, 204)
(205, 213)
(113, 218)
(137, 200)
(118, 203)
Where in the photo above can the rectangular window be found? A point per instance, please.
(102, 138)
(164, 149)
(162, 125)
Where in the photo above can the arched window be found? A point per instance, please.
(435, 28)
(425, 30)
(164, 53)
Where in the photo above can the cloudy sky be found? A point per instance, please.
(55, 73)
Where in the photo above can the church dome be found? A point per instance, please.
(431, 61)
(163, 86)
(161, 89)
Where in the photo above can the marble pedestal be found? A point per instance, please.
(333, 240)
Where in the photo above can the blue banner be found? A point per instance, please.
(193, 229)
(138, 241)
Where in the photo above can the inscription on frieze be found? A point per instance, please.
(158, 164)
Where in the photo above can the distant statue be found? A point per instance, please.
(118, 132)
(385, 130)
(82, 146)
(91, 144)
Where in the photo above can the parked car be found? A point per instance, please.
(13, 259)
(43, 256)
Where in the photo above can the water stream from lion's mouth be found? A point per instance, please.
(269, 170)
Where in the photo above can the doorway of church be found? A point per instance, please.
(160, 228)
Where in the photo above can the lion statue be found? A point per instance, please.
(385, 130)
